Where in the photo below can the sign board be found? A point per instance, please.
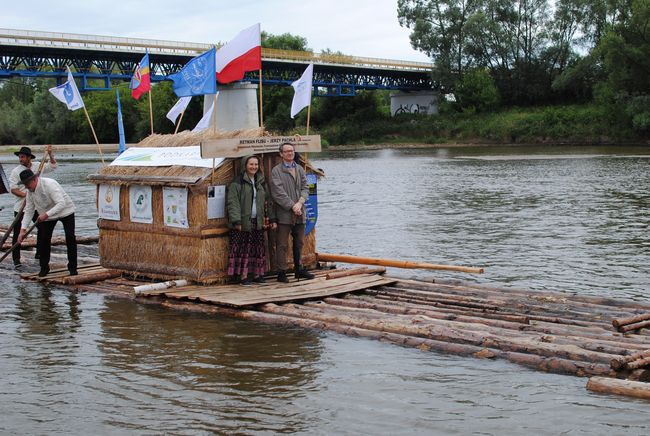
(216, 201)
(237, 147)
(109, 202)
(140, 210)
(175, 207)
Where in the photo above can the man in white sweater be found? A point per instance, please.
(53, 204)
(26, 162)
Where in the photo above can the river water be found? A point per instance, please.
(570, 219)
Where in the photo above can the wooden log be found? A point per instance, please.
(450, 333)
(637, 364)
(548, 364)
(354, 272)
(91, 278)
(561, 336)
(635, 326)
(394, 263)
(615, 386)
(462, 288)
(630, 320)
(621, 362)
(146, 289)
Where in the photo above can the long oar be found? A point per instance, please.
(41, 165)
(17, 244)
(394, 263)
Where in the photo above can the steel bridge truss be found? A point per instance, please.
(107, 66)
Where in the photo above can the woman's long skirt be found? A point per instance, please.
(247, 252)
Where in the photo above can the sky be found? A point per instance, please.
(367, 28)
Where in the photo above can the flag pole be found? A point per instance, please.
(179, 122)
(261, 110)
(308, 116)
(150, 109)
(99, 147)
(214, 113)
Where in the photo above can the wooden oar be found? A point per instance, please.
(41, 165)
(394, 263)
(17, 244)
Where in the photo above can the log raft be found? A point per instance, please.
(551, 332)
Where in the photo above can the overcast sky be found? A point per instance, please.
(355, 27)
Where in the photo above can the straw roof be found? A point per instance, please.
(187, 138)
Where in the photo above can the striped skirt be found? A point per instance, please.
(247, 252)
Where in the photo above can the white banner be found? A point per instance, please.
(164, 157)
(109, 202)
(140, 204)
(175, 207)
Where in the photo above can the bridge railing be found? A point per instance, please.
(110, 43)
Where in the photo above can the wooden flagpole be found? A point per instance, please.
(261, 104)
(150, 109)
(308, 116)
(179, 122)
(99, 147)
(214, 113)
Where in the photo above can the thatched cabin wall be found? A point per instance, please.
(199, 252)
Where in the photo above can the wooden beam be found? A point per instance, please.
(238, 147)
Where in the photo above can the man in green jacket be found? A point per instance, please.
(289, 190)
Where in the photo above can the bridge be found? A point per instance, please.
(93, 59)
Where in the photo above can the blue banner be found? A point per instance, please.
(311, 205)
(197, 77)
(120, 125)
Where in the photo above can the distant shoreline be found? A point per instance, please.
(112, 148)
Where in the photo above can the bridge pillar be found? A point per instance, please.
(420, 102)
(236, 106)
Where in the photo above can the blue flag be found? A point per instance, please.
(198, 76)
(120, 125)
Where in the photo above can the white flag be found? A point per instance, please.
(204, 123)
(68, 93)
(179, 107)
(302, 91)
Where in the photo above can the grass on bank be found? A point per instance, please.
(575, 123)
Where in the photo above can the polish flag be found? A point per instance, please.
(243, 53)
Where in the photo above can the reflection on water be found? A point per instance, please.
(565, 219)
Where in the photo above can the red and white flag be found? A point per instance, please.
(243, 53)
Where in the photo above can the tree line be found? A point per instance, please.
(571, 66)
(495, 53)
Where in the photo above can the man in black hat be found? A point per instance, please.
(26, 159)
(53, 204)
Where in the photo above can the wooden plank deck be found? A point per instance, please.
(273, 292)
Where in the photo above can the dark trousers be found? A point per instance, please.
(297, 232)
(15, 255)
(44, 241)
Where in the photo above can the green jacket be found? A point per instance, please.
(240, 200)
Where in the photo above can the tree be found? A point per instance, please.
(477, 92)
(624, 52)
(438, 29)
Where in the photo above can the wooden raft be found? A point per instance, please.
(272, 291)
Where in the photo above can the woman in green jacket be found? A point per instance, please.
(249, 214)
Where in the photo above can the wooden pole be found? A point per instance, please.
(99, 147)
(308, 117)
(17, 244)
(261, 110)
(214, 115)
(394, 263)
(150, 109)
(179, 122)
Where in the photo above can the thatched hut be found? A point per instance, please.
(167, 221)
